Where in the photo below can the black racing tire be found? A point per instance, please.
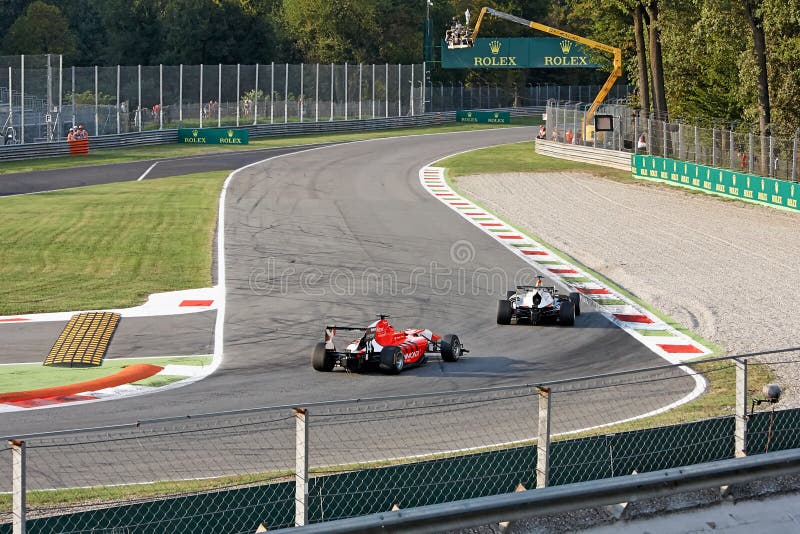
(320, 360)
(566, 314)
(451, 348)
(510, 294)
(504, 312)
(392, 360)
(575, 298)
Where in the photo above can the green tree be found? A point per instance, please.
(43, 29)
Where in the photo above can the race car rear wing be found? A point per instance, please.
(529, 288)
(330, 331)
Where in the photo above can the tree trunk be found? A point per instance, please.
(752, 12)
(641, 58)
(656, 65)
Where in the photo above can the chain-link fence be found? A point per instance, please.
(277, 467)
(730, 146)
(40, 99)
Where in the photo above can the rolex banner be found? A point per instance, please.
(516, 53)
(213, 136)
(483, 117)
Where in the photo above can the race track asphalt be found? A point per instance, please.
(337, 234)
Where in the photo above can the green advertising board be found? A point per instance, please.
(516, 53)
(718, 181)
(483, 117)
(213, 136)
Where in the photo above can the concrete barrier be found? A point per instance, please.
(585, 154)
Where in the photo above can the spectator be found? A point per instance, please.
(555, 135)
(642, 143)
(542, 132)
(568, 137)
(71, 134)
(81, 134)
(8, 137)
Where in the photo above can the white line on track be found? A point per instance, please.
(145, 173)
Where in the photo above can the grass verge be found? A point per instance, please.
(24, 377)
(155, 152)
(107, 246)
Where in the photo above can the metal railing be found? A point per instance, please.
(732, 146)
(294, 465)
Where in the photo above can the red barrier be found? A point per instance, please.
(79, 147)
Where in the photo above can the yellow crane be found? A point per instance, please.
(616, 52)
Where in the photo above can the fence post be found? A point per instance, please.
(373, 90)
(772, 169)
(201, 95)
(286, 95)
(543, 441)
(180, 96)
(732, 148)
(399, 90)
(316, 95)
(740, 434)
(301, 104)
(139, 104)
(272, 92)
(345, 90)
(19, 487)
(118, 124)
(22, 99)
(360, 81)
(255, 98)
(794, 158)
(301, 467)
(750, 155)
(386, 91)
(219, 95)
(160, 96)
(238, 90)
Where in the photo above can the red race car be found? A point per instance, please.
(384, 347)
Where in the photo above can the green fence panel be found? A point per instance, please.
(739, 185)
(773, 431)
(436, 481)
(611, 455)
(239, 510)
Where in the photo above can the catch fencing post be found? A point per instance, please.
(139, 105)
(96, 102)
(360, 69)
(399, 90)
(180, 96)
(794, 158)
(345, 90)
(18, 485)
(238, 89)
(219, 95)
(316, 95)
(22, 99)
(201, 95)
(286, 94)
(740, 434)
(386, 90)
(255, 99)
(301, 103)
(118, 124)
(332, 91)
(160, 96)
(272, 93)
(373, 92)
(301, 467)
(543, 441)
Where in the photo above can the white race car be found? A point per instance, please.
(538, 303)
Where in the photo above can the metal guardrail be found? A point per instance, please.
(155, 137)
(586, 154)
(556, 499)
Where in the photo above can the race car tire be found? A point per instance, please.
(451, 348)
(510, 294)
(575, 298)
(320, 359)
(504, 312)
(566, 314)
(392, 360)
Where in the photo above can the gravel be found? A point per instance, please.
(727, 270)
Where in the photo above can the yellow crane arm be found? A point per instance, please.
(616, 52)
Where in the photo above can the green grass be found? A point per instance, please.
(107, 246)
(155, 152)
(518, 157)
(23, 377)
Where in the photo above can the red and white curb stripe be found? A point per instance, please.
(655, 334)
(171, 303)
